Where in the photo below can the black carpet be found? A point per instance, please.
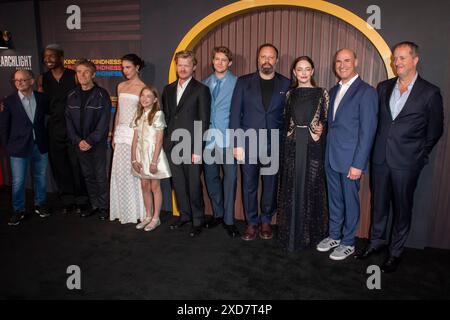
(119, 262)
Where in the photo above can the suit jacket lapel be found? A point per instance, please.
(334, 91)
(256, 83)
(186, 94)
(276, 91)
(224, 87)
(172, 99)
(389, 90)
(38, 106)
(350, 92)
(21, 108)
(413, 96)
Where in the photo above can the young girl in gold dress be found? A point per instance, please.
(148, 159)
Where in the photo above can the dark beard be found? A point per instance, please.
(266, 70)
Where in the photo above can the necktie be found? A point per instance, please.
(216, 89)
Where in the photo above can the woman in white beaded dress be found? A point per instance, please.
(148, 159)
(126, 202)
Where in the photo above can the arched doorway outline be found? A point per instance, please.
(208, 23)
(199, 30)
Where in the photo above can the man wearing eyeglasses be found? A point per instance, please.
(23, 133)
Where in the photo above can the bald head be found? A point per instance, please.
(345, 63)
(347, 51)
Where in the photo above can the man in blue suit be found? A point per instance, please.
(222, 194)
(23, 133)
(258, 104)
(351, 129)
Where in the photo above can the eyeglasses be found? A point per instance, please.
(21, 80)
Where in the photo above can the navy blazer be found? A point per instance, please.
(351, 133)
(406, 142)
(247, 108)
(16, 128)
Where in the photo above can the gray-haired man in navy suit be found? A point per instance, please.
(23, 133)
(410, 124)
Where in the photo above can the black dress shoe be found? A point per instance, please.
(195, 231)
(232, 231)
(213, 222)
(67, 209)
(103, 214)
(366, 253)
(178, 224)
(78, 210)
(89, 213)
(390, 264)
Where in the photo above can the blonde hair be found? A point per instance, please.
(185, 54)
(155, 107)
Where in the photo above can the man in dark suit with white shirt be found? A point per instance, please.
(186, 101)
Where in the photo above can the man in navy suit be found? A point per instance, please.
(351, 129)
(258, 104)
(23, 133)
(410, 124)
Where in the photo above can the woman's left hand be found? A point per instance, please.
(317, 128)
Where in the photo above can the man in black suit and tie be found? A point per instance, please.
(410, 124)
(23, 133)
(186, 102)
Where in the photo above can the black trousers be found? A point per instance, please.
(188, 191)
(66, 171)
(396, 187)
(93, 166)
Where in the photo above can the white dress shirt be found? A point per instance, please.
(181, 88)
(343, 87)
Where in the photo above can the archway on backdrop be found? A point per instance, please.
(314, 28)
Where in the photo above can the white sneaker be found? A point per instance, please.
(342, 252)
(143, 223)
(327, 244)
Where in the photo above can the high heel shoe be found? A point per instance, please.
(144, 223)
(152, 225)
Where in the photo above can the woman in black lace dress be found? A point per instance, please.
(302, 197)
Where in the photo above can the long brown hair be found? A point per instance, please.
(155, 107)
(294, 80)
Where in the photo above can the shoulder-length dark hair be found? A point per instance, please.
(294, 80)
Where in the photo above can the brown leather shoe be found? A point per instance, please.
(265, 231)
(250, 233)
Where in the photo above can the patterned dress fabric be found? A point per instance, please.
(302, 197)
(126, 202)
